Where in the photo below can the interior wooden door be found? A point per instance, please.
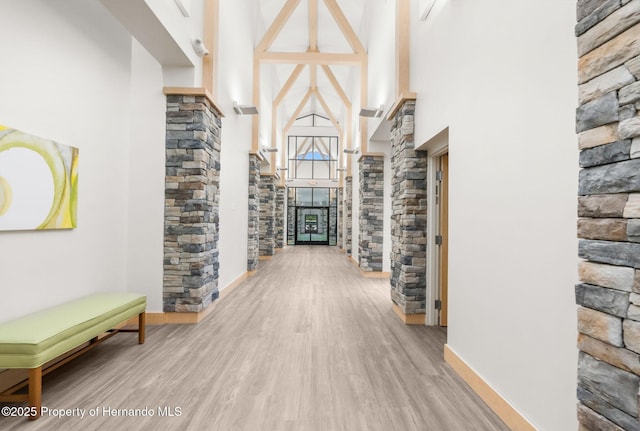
(444, 235)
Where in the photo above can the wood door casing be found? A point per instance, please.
(444, 247)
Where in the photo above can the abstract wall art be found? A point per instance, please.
(38, 182)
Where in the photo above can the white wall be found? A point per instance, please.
(235, 74)
(501, 74)
(66, 76)
(146, 179)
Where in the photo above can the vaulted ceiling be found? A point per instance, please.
(312, 54)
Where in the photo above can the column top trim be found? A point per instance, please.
(401, 101)
(193, 91)
(371, 155)
(257, 154)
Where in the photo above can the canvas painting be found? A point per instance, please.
(38, 182)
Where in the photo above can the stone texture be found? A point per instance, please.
(617, 387)
(340, 218)
(635, 148)
(598, 112)
(631, 329)
(615, 253)
(601, 326)
(267, 223)
(606, 154)
(634, 66)
(633, 230)
(622, 177)
(608, 28)
(633, 313)
(588, 7)
(598, 136)
(280, 207)
(629, 93)
(613, 277)
(592, 421)
(409, 215)
(610, 55)
(603, 228)
(617, 356)
(602, 205)
(636, 282)
(632, 206)
(626, 112)
(608, 301)
(617, 416)
(629, 128)
(603, 84)
(371, 212)
(253, 233)
(348, 219)
(192, 202)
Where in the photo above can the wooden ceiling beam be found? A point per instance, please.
(345, 27)
(336, 85)
(313, 25)
(329, 112)
(277, 24)
(310, 58)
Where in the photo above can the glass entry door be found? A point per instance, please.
(312, 226)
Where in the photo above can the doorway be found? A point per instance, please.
(442, 239)
(312, 226)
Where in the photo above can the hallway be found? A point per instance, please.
(305, 344)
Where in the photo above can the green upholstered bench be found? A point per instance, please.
(33, 341)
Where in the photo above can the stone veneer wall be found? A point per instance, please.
(191, 204)
(340, 217)
(280, 205)
(253, 236)
(409, 216)
(348, 219)
(371, 212)
(608, 123)
(267, 222)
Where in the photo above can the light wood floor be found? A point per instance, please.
(305, 344)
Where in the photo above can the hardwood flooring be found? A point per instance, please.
(305, 344)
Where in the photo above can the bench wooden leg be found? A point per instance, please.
(35, 391)
(141, 324)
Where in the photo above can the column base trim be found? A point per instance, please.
(265, 257)
(409, 319)
(156, 319)
(375, 274)
(501, 407)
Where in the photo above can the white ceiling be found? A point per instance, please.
(295, 37)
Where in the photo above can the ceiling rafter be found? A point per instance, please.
(329, 112)
(345, 27)
(277, 24)
(311, 58)
(313, 25)
(336, 85)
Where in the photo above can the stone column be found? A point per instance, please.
(191, 204)
(408, 218)
(280, 203)
(348, 219)
(253, 236)
(291, 216)
(267, 223)
(340, 218)
(608, 295)
(371, 212)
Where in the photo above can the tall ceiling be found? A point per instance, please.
(303, 84)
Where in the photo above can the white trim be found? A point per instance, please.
(435, 147)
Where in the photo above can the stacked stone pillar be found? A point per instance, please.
(408, 218)
(340, 217)
(191, 204)
(253, 234)
(280, 206)
(371, 212)
(348, 219)
(608, 295)
(267, 224)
